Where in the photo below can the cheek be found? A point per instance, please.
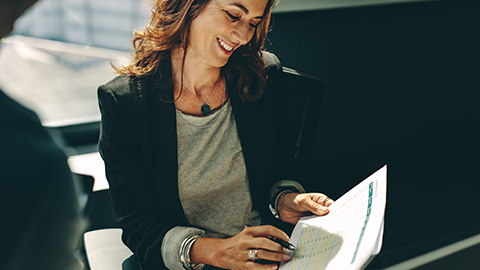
(204, 32)
(250, 36)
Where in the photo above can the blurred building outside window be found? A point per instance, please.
(62, 50)
(106, 24)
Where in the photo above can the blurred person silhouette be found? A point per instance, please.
(41, 221)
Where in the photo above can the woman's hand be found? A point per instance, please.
(293, 206)
(232, 253)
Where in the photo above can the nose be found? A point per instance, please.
(242, 33)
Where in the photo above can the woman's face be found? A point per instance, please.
(222, 27)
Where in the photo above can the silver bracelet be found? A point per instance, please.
(274, 207)
(185, 254)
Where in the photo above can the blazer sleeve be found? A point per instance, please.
(134, 204)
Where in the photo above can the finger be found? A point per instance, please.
(265, 230)
(318, 197)
(257, 266)
(322, 199)
(315, 205)
(329, 202)
(272, 256)
(266, 244)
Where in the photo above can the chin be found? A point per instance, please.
(220, 64)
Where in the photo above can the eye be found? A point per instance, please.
(253, 26)
(232, 17)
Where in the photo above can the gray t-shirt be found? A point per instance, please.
(212, 181)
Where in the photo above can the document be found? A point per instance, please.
(349, 236)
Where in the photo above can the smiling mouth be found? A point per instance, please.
(224, 45)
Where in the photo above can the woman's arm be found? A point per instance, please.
(288, 198)
(135, 208)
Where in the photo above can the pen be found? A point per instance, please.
(282, 243)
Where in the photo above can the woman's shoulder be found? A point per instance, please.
(120, 86)
(272, 63)
(124, 89)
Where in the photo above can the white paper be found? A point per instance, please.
(349, 235)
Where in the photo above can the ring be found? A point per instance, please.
(252, 254)
(325, 201)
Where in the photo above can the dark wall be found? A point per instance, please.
(393, 74)
(402, 88)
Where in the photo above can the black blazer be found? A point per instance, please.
(138, 143)
(41, 223)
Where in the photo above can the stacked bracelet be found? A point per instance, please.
(185, 254)
(275, 198)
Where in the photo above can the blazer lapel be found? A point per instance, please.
(255, 128)
(163, 130)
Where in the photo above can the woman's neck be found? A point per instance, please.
(198, 77)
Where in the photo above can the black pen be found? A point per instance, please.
(282, 243)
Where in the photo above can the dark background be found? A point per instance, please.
(401, 88)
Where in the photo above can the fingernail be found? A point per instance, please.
(274, 267)
(286, 258)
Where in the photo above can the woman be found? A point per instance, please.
(188, 139)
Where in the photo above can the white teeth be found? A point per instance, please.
(224, 45)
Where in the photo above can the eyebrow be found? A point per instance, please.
(242, 7)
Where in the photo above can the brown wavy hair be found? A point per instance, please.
(169, 27)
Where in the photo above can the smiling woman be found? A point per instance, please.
(188, 188)
(169, 26)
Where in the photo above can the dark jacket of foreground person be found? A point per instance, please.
(40, 215)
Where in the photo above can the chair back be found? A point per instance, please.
(298, 101)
